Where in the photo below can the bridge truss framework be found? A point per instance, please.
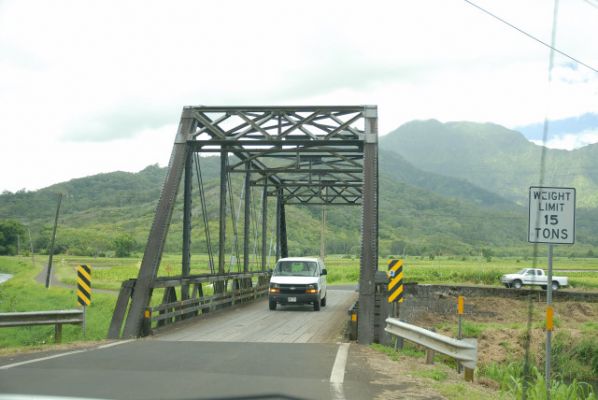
(308, 155)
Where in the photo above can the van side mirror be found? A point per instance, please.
(324, 272)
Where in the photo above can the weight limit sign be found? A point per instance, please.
(551, 215)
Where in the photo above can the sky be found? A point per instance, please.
(97, 86)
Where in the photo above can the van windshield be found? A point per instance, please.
(295, 268)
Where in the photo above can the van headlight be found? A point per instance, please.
(274, 288)
(311, 289)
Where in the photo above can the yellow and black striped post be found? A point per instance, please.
(84, 290)
(395, 287)
(84, 285)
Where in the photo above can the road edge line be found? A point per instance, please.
(118, 343)
(337, 375)
(18, 364)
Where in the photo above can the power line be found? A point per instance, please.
(531, 36)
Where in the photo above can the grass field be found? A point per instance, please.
(22, 293)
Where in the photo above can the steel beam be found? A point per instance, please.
(246, 219)
(222, 222)
(159, 230)
(369, 230)
(278, 212)
(284, 247)
(264, 226)
(187, 207)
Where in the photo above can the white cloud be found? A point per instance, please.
(571, 141)
(91, 77)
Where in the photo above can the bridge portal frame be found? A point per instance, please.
(318, 155)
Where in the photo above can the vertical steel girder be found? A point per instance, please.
(264, 226)
(222, 222)
(282, 249)
(157, 236)
(246, 219)
(301, 155)
(369, 231)
(187, 207)
(279, 201)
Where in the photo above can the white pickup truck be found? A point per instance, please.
(533, 276)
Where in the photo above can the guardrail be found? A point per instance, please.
(465, 351)
(54, 317)
(209, 293)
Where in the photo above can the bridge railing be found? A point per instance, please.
(464, 351)
(209, 293)
(52, 317)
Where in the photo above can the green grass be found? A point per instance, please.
(22, 293)
(465, 270)
(510, 379)
(437, 374)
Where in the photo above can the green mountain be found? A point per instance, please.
(428, 203)
(494, 158)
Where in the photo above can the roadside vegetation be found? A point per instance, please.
(575, 344)
(506, 380)
(23, 293)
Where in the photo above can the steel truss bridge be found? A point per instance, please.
(306, 155)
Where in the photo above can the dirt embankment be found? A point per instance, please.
(502, 324)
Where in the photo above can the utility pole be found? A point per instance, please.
(49, 272)
(31, 246)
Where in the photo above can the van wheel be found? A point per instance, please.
(323, 302)
(317, 305)
(272, 305)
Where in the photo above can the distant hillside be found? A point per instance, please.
(421, 212)
(494, 158)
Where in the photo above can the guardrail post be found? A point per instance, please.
(468, 375)
(429, 356)
(58, 333)
(430, 353)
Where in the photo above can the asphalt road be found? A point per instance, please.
(246, 353)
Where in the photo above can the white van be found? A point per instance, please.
(298, 280)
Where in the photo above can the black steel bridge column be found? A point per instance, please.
(187, 207)
(158, 232)
(222, 230)
(264, 224)
(369, 228)
(281, 229)
(247, 220)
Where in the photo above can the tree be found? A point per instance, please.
(10, 230)
(124, 244)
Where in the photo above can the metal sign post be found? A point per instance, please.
(460, 324)
(551, 221)
(84, 290)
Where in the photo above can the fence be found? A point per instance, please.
(55, 317)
